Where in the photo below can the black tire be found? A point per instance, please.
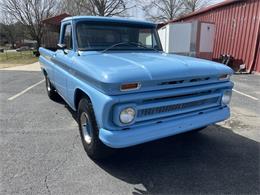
(94, 148)
(51, 91)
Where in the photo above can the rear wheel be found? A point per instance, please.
(89, 131)
(50, 89)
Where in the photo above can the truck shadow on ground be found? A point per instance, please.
(214, 161)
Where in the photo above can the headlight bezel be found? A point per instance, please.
(117, 111)
(123, 115)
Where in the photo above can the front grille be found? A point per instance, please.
(176, 107)
(175, 82)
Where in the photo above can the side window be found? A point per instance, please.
(145, 37)
(67, 38)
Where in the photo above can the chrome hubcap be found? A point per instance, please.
(86, 127)
(48, 85)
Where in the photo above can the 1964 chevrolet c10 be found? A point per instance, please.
(125, 89)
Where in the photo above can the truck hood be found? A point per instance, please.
(120, 67)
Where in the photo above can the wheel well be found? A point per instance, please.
(44, 72)
(79, 94)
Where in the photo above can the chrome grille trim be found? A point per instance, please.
(174, 107)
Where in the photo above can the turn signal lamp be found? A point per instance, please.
(130, 86)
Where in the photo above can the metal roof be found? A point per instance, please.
(206, 9)
(55, 20)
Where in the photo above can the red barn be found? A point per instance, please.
(237, 30)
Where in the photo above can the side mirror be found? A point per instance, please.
(61, 46)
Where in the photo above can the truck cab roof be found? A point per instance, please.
(109, 19)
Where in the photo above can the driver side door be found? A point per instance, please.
(63, 60)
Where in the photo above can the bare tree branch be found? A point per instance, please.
(161, 10)
(75, 7)
(193, 5)
(30, 13)
(12, 29)
(107, 7)
(95, 7)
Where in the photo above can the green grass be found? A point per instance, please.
(13, 58)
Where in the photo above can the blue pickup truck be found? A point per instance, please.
(125, 89)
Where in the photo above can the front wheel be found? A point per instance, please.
(89, 131)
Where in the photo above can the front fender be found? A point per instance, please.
(101, 102)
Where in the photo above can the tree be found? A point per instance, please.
(162, 10)
(30, 13)
(9, 29)
(76, 7)
(107, 7)
(193, 5)
(12, 30)
(96, 7)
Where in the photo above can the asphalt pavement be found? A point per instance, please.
(41, 151)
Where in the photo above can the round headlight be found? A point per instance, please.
(226, 97)
(127, 115)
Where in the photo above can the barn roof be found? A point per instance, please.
(55, 20)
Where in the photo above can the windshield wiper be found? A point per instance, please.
(142, 45)
(128, 43)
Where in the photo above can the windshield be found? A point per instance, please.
(101, 36)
